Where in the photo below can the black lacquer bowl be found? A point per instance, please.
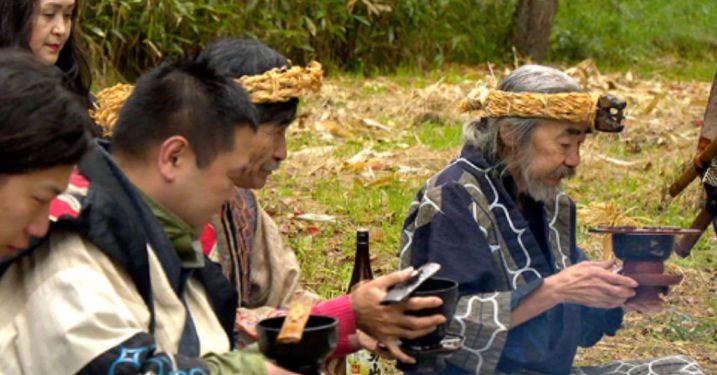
(643, 243)
(305, 357)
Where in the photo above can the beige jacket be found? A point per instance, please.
(67, 303)
(275, 269)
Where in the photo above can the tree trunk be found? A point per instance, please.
(532, 22)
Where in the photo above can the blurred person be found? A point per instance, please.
(41, 138)
(47, 28)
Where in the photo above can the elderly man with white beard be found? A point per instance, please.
(498, 222)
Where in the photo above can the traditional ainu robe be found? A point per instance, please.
(253, 255)
(466, 218)
(675, 364)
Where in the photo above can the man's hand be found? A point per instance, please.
(592, 284)
(389, 323)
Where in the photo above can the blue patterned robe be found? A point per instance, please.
(466, 218)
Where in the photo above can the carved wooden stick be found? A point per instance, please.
(293, 328)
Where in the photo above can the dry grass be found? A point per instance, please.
(362, 147)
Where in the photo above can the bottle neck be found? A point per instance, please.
(362, 264)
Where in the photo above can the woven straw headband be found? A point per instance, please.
(602, 113)
(274, 86)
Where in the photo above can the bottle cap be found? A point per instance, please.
(362, 234)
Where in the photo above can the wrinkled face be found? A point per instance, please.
(554, 154)
(203, 191)
(24, 204)
(267, 152)
(51, 26)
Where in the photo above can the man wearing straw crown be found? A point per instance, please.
(244, 239)
(249, 246)
(499, 223)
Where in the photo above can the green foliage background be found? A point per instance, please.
(369, 36)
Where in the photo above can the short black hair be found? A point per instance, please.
(16, 19)
(237, 57)
(42, 123)
(183, 97)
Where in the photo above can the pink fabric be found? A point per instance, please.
(61, 206)
(340, 309)
(208, 239)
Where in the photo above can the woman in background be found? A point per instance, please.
(46, 27)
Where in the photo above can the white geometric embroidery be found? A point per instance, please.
(565, 259)
(74, 189)
(409, 242)
(429, 202)
(496, 205)
(670, 366)
(474, 211)
(622, 367)
(500, 327)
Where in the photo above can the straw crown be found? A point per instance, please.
(273, 86)
(282, 84)
(574, 107)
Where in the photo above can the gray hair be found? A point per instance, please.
(483, 133)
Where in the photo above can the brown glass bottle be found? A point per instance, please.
(362, 260)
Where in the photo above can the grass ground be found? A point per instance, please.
(363, 147)
(667, 38)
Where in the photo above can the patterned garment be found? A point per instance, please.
(253, 256)
(238, 223)
(252, 253)
(466, 218)
(670, 365)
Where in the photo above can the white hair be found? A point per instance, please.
(483, 134)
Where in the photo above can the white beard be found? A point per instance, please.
(537, 189)
(540, 191)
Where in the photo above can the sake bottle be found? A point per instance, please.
(362, 260)
(362, 362)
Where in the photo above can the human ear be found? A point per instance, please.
(503, 135)
(174, 154)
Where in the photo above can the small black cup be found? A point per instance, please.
(305, 357)
(446, 290)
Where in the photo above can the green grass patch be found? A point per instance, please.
(672, 38)
(438, 136)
